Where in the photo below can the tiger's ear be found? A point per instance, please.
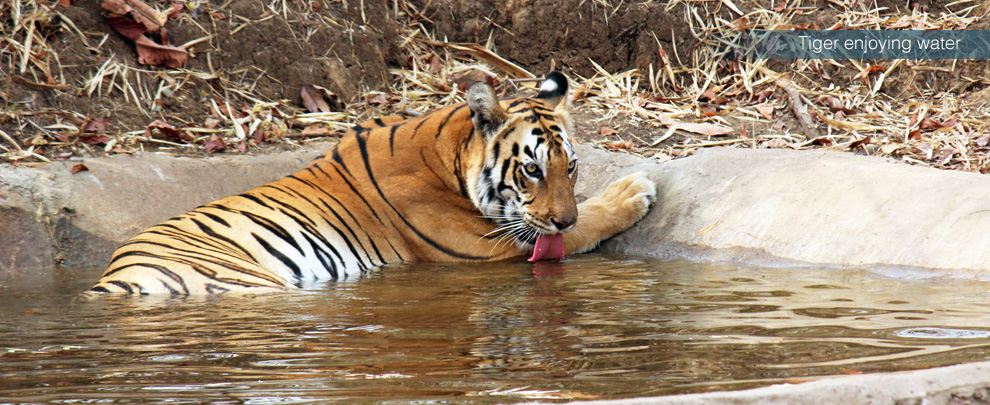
(554, 90)
(486, 112)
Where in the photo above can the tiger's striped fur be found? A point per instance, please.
(476, 181)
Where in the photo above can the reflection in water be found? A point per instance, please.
(588, 327)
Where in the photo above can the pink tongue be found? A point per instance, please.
(548, 247)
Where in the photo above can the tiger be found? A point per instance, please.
(481, 180)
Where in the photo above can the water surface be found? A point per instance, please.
(589, 327)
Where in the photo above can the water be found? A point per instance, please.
(587, 328)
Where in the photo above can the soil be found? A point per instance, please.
(252, 51)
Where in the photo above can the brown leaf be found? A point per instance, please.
(465, 79)
(915, 135)
(382, 98)
(435, 64)
(983, 140)
(929, 123)
(708, 111)
(242, 147)
(211, 123)
(150, 53)
(216, 143)
(606, 131)
(780, 7)
(78, 168)
(834, 105)
(313, 100)
(141, 12)
(316, 130)
(616, 145)
(763, 95)
(861, 142)
(319, 99)
(707, 95)
(96, 125)
(766, 111)
(164, 131)
(64, 155)
(64, 3)
(91, 139)
(177, 8)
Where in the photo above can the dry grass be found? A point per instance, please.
(693, 99)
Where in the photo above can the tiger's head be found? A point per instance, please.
(525, 182)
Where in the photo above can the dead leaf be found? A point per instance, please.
(177, 8)
(319, 99)
(983, 140)
(211, 123)
(465, 79)
(150, 53)
(855, 144)
(763, 95)
(835, 105)
(606, 131)
(164, 131)
(216, 143)
(96, 125)
(928, 123)
(242, 147)
(143, 19)
(850, 371)
(91, 139)
(141, 12)
(313, 100)
(616, 145)
(64, 3)
(78, 168)
(707, 95)
(381, 99)
(766, 111)
(316, 130)
(780, 7)
(435, 64)
(708, 111)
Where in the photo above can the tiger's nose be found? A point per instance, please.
(562, 223)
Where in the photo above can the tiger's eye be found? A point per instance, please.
(571, 165)
(531, 168)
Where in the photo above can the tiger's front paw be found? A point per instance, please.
(630, 197)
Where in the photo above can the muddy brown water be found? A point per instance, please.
(589, 327)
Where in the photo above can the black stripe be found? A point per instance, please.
(320, 254)
(363, 147)
(215, 218)
(269, 225)
(99, 289)
(278, 255)
(336, 158)
(312, 229)
(325, 207)
(371, 209)
(379, 122)
(213, 234)
(447, 119)
(122, 285)
(391, 139)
